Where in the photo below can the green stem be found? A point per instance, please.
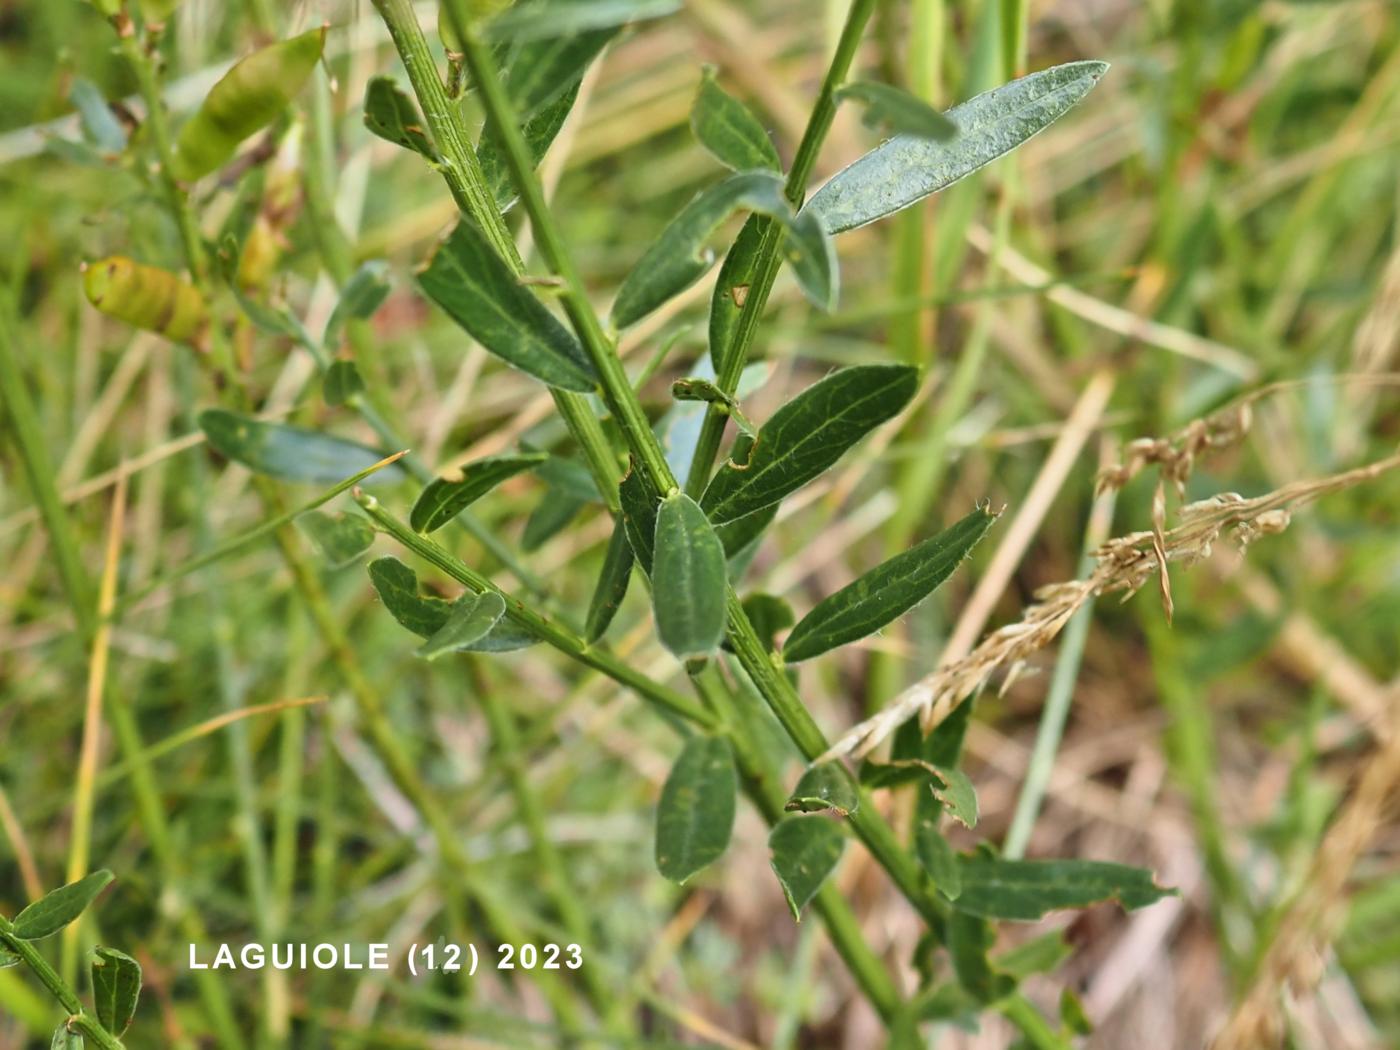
(78, 1018)
(770, 247)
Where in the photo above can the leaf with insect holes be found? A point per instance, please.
(291, 453)
(955, 791)
(887, 591)
(639, 501)
(341, 538)
(65, 1039)
(563, 18)
(680, 256)
(938, 858)
(100, 125)
(908, 168)
(1025, 890)
(728, 130)
(480, 292)
(611, 587)
(823, 787)
(893, 108)
(341, 382)
(689, 581)
(736, 276)
(425, 616)
(363, 294)
(539, 132)
(469, 620)
(695, 816)
(392, 115)
(807, 436)
(442, 499)
(116, 988)
(56, 909)
(804, 852)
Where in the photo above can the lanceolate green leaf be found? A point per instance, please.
(736, 276)
(537, 72)
(392, 115)
(726, 127)
(341, 538)
(612, 584)
(956, 794)
(469, 620)
(444, 498)
(425, 616)
(938, 858)
(551, 516)
(891, 107)
(689, 582)
(696, 814)
(908, 168)
(887, 591)
(825, 786)
(289, 452)
(807, 435)
(804, 852)
(116, 988)
(364, 293)
(539, 131)
(680, 255)
(100, 124)
(639, 503)
(1027, 889)
(478, 290)
(56, 909)
(537, 19)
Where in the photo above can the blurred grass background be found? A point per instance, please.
(1232, 180)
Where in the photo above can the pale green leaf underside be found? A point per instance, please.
(695, 816)
(805, 851)
(807, 436)
(116, 988)
(442, 499)
(908, 168)
(887, 591)
(689, 581)
(55, 910)
(729, 130)
(1027, 889)
(291, 453)
(470, 619)
(681, 255)
(478, 290)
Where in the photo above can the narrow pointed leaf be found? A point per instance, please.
(612, 585)
(570, 477)
(425, 616)
(639, 506)
(363, 294)
(539, 132)
(469, 620)
(807, 436)
(681, 254)
(292, 453)
(116, 988)
(341, 538)
(938, 858)
(56, 909)
(553, 513)
(537, 72)
(824, 787)
(805, 851)
(1026, 890)
(341, 382)
(562, 18)
(736, 276)
(908, 168)
(890, 107)
(392, 115)
(695, 816)
(100, 125)
(729, 130)
(478, 290)
(442, 499)
(887, 591)
(689, 581)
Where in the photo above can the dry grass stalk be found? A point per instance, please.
(1295, 959)
(1125, 564)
